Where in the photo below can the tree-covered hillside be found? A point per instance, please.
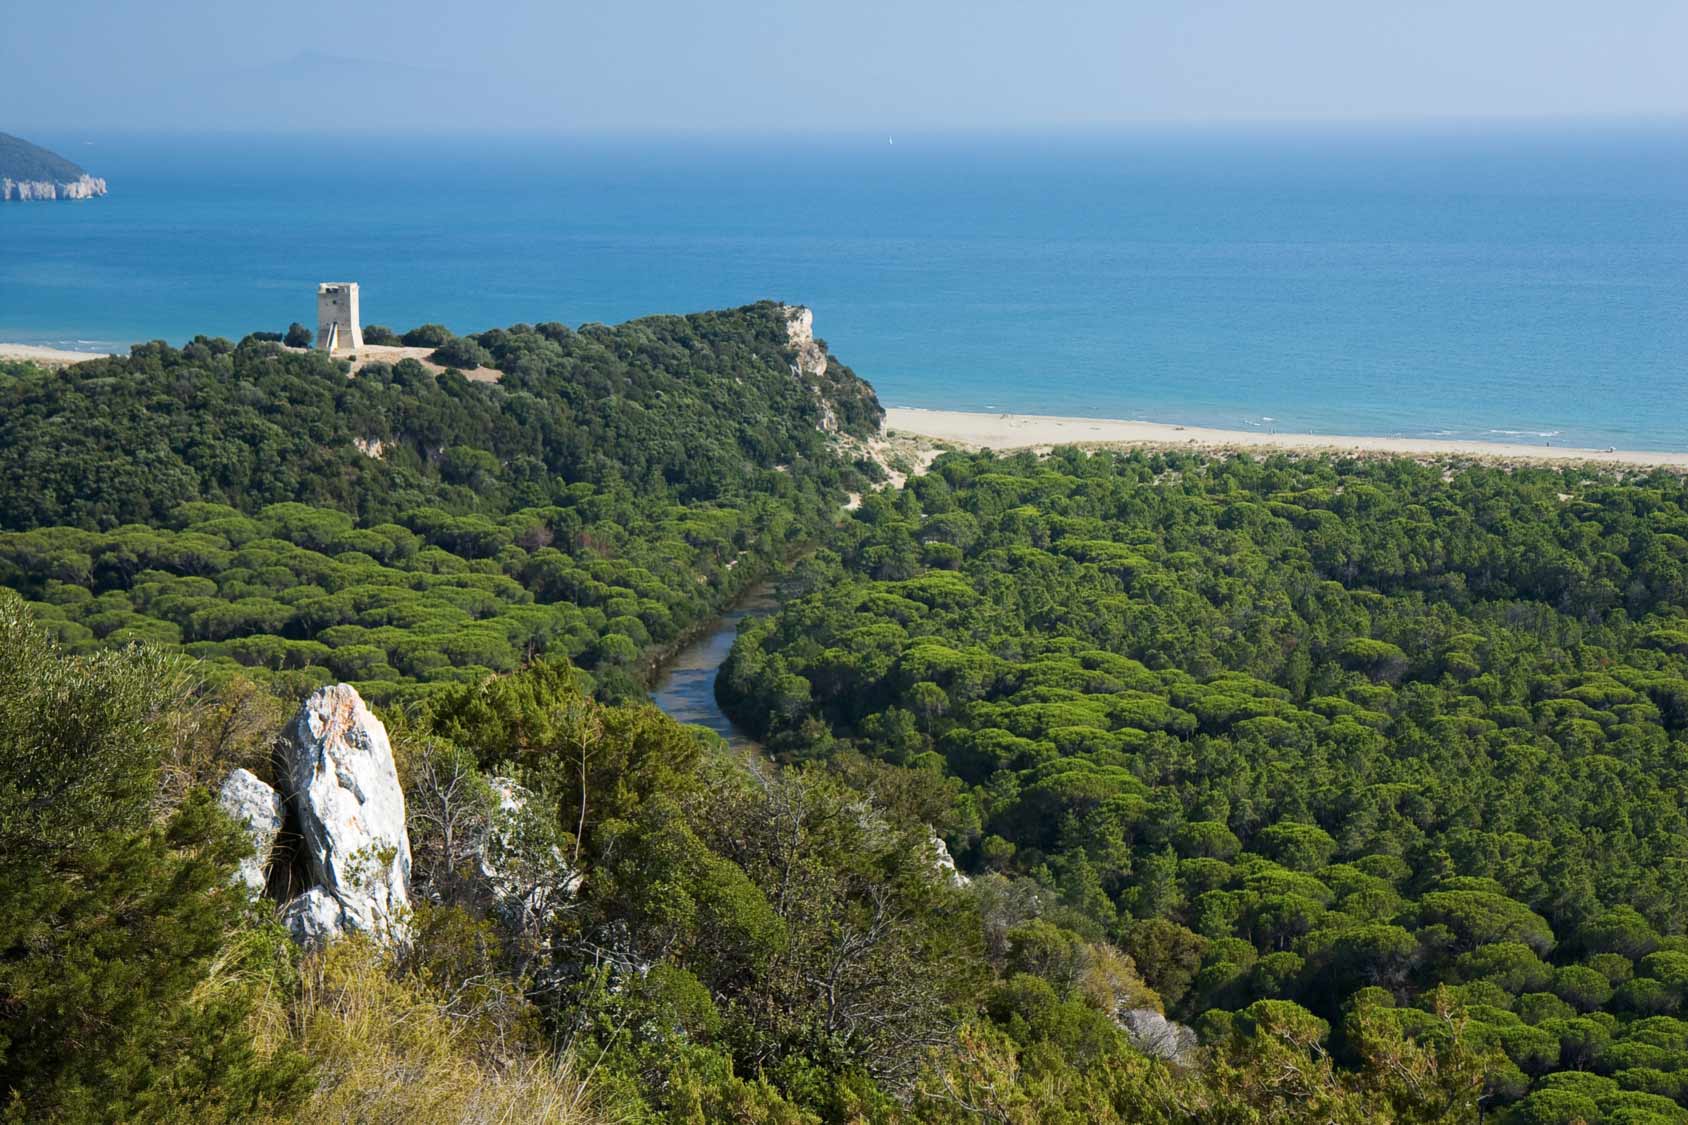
(1329, 733)
(690, 408)
(20, 160)
(393, 529)
(1374, 774)
(652, 934)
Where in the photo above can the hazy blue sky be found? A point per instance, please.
(841, 65)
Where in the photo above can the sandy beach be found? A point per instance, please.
(52, 357)
(1040, 431)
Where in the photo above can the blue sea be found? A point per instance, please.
(1513, 282)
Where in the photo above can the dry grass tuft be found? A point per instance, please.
(385, 1050)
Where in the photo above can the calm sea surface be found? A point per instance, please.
(1519, 283)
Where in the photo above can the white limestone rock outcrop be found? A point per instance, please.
(260, 810)
(500, 839)
(811, 358)
(944, 863)
(800, 334)
(345, 793)
(1154, 1034)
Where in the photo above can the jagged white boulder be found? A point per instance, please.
(259, 809)
(1154, 1034)
(512, 805)
(345, 792)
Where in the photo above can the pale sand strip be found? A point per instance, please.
(49, 356)
(370, 353)
(1025, 431)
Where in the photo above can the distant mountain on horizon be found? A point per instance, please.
(28, 171)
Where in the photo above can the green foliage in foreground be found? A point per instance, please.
(669, 938)
(112, 919)
(1299, 731)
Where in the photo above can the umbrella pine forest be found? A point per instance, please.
(1093, 786)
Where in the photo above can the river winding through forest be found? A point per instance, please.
(685, 688)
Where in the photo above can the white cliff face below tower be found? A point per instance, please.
(800, 334)
(338, 327)
(810, 358)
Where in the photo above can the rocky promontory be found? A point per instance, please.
(29, 171)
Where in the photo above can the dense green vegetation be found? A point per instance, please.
(114, 912)
(1329, 733)
(670, 938)
(301, 596)
(696, 408)
(398, 529)
(1371, 772)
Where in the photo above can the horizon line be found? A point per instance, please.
(1125, 126)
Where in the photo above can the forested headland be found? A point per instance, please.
(1287, 790)
(399, 531)
(29, 171)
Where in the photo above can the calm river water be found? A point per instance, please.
(686, 686)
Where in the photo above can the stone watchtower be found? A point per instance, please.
(337, 317)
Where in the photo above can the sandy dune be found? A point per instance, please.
(1024, 431)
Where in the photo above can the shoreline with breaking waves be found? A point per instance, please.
(1041, 431)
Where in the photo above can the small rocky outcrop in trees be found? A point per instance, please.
(944, 863)
(1154, 1034)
